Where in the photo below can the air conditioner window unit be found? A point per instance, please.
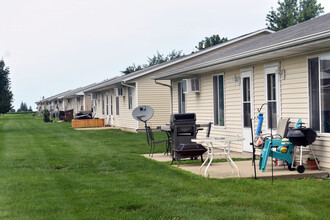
(119, 92)
(191, 85)
(94, 96)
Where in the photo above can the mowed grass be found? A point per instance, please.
(51, 171)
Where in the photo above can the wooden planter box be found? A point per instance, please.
(86, 123)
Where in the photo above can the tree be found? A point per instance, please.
(23, 107)
(30, 109)
(156, 59)
(46, 116)
(210, 41)
(160, 58)
(290, 13)
(309, 9)
(131, 69)
(175, 54)
(6, 96)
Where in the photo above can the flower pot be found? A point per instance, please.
(312, 164)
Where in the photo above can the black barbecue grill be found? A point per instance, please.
(184, 129)
(302, 137)
(84, 115)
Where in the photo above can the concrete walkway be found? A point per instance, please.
(223, 170)
(95, 128)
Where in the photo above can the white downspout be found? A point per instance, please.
(84, 102)
(171, 93)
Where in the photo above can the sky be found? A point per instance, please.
(52, 46)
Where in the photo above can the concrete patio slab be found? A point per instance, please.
(223, 170)
(164, 158)
(95, 128)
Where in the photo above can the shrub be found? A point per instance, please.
(46, 116)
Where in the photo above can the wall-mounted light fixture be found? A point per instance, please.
(281, 74)
(237, 80)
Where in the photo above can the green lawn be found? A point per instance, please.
(51, 171)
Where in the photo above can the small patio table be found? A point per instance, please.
(226, 141)
(167, 129)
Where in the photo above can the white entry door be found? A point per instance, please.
(247, 107)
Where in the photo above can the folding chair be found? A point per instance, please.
(151, 141)
(271, 141)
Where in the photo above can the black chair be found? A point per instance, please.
(209, 126)
(152, 143)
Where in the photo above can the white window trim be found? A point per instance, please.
(269, 69)
(242, 71)
(319, 133)
(224, 100)
(181, 93)
(130, 97)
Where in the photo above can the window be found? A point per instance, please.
(107, 102)
(130, 98)
(319, 93)
(246, 102)
(181, 98)
(218, 100)
(272, 96)
(271, 101)
(117, 105)
(102, 103)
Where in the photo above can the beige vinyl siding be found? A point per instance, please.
(202, 105)
(157, 96)
(294, 89)
(294, 100)
(88, 102)
(124, 120)
(175, 105)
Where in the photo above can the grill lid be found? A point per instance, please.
(183, 117)
(302, 136)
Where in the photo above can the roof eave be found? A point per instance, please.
(306, 41)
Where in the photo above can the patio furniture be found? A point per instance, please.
(84, 115)
(270, 142)
(167, 129)
(151, 141)
(302, 137)
(225, 141)
(281, 131)
(68, 115)
(268, 152)
(184, 128)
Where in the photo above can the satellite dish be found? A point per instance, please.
(143, 113)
